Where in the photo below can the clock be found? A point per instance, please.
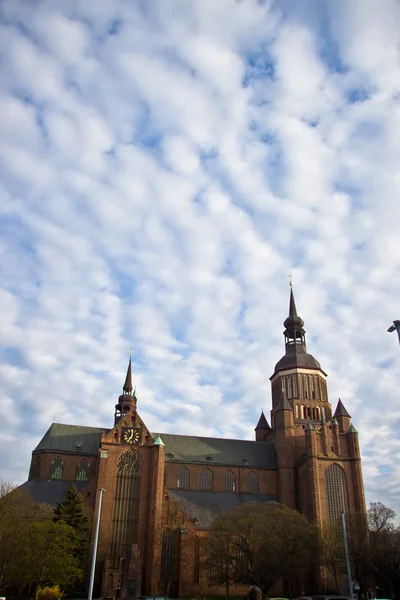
(130, 435)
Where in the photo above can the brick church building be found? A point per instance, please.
(162, 490)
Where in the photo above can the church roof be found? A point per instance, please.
(66, 438)
(206, 505)
(296, 358)
(196, 449)
(178, 448)
(50, 491)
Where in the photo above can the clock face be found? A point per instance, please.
(131, 435)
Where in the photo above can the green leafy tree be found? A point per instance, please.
(49, 556)
(17, 512)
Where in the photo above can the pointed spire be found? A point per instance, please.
(292, 304)
(334, 421)
(128, 386)
(262, 422)
(284, 403)
(340, 410)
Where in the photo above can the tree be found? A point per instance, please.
(385, 547)
(380, 517)
(70, 511)
(17, 511)
(6, 487)
(332, 550)
(49, 555)
(260, 542)
(359, 546)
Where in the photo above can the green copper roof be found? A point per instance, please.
(206, 505)
(68, 438)
(352, 429)
(309, 426)
(334, 421)
(196, 449)
(158, 442)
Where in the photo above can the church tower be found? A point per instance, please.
(319, 462)
(299, 375)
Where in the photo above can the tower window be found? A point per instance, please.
(183, 478)
(252, 483)
(230, 481)
(206, 479)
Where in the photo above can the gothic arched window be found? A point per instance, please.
(82, 470)
(252, 483)
(183, 478)
(35, 467)
(126, 505)
(336, 491)
(56, 469)
(206, 479)
(230, 481)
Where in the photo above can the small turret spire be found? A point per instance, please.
(128, 385)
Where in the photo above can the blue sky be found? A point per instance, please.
(164, 166)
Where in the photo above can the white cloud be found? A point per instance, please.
(164, 172)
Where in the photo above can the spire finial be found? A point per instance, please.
(130, 352)
(290, 280)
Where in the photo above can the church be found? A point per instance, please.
(162, 491)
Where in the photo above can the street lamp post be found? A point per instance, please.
(96, 539)
(395, 327)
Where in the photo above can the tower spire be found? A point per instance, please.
(128, 385)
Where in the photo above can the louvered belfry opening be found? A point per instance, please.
(126, 507)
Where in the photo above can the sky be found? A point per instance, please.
(165, 165)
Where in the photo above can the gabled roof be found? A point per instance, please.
(66, 438)
(196, 449)
(49, 491)
(340, 410)
(352, 429)
(206, 505)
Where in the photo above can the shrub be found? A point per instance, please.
(49, 593)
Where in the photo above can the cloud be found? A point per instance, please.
(165, 168)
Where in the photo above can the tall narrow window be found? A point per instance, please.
(323, 413)
(126, 506)
(196, 574)
(206, 479)
(82, 470)
(168, 555)
(183, 478)
(56, 469)
(35, 467)
(336, 491)
(230, 481)
(296, 408)
(252, 483)
(215, 573)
